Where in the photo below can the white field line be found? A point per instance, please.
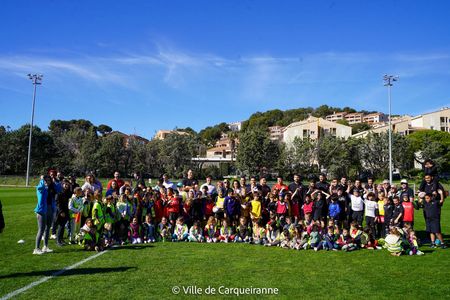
(46, 278)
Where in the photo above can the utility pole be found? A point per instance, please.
(36, 79)
(388, 82)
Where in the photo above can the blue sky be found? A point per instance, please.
(149, 65)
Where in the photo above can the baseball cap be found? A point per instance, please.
(404, 181)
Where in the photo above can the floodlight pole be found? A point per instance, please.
(36, 79)
(388, 82)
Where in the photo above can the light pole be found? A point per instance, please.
(388, 81)
(35, 79)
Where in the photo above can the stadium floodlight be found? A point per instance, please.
(36, 79)
(388, 82)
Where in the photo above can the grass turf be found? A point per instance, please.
(150, 271)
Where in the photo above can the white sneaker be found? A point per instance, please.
(419, 252)
(53, 237)
(38, 251)
(46, 249)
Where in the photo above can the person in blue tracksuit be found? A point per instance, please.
(45, 207)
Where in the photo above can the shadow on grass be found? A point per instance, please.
(131, 247)
(80, 271)
(425, 237)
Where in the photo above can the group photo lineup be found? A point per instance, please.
(240, 149)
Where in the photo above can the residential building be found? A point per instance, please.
(375, 118)
(162, 134)
(437, 120)
(276, 133)
(354, 118)
(336, 116)
(313, 128)
(235, 126)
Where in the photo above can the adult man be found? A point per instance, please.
(297, 189)
(279, 185)
(211, 188)
(244, 185)
(62, 212)
(405, 189)
(118, 180)
(190, 181)
(322, 184)
(139, 180)
(167, 183)
(343, 183)
(265, 189)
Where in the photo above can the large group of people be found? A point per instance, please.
(339, 215)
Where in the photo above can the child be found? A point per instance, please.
(195, 233)
(355, 232)
(123, 212)
(334, 210)
(371, 207)
(408, 210)
(285, 239)
(295, 207)
(89, 237)
(282, 207)
(210, 230)
(273, 235)
(232, 207)
(255, 208)
(308, 207)
(319, 213)
(108, 234)
(226, 232)
(388, 208)
(300, 238)
(367, 239)
(75, 209)
(243, 233)
(259, 233)
(218, 209)
(329, 242)
(398, 213)
(164, 229)
(173, 206)
(180, 232)
(209, 205)
(98, 215)
(345, 241)
(380, 216)
(393, 242)
(135, 232)
(357, 205)
(315, 238)
(149, 229)
(413, 244)
(432, 212)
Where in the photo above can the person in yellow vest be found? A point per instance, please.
(255, 208)
(218, 209)
(380, 231)
(98, 214)
(89, 237)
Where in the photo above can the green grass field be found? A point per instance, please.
(151, 271)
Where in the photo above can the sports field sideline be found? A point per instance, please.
(156, 270)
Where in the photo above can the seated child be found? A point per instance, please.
(393, 242)
(259, 233)
(164, 229)
(329, 241)
(195, 233)
(367, 240)
(300, 239)
(149, 230)
(180, 232)
(135, 232)
(413, 244)
(243, 233)
(355, 232)
(210, 232)
(89, 237)
(315, 238)
(345, 241)
(226, 232)
(273, 235)
(285, 239)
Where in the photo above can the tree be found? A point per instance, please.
(432, 144)
(301, 156)
(87, 159)
(103, 129)
(112, 154)
(359, 127)
(256, 152)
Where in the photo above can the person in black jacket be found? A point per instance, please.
(62, 211)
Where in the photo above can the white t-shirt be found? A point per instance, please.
(357, 203)
(211, 188)
(371, 206)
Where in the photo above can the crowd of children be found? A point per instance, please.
(319, 216)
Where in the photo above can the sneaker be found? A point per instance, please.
(59, 244)
(53, 237)
(433, 246)
(443, 246)
(315, 248)
(38, 251)
(47, 250)
(419, 252)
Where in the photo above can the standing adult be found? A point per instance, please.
(279, 185)
(297, 189)
(139, 180)
(189, 182)
(167, 183)
(62, 211)
(322, 184)
(211, 187)
(117, 179)
(405, 189)
(45, 207)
